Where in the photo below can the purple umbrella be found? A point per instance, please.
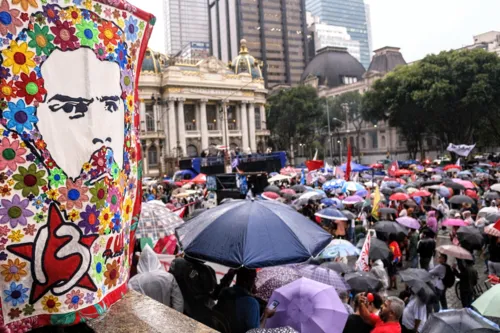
(271, 278)
(308, 306)
(408, 222)
(323, 275)
(353, 199)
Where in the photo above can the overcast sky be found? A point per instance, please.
(418, 27)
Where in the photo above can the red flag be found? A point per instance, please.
(348, 164)
(393, 168)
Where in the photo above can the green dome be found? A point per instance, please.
(153, 62)
(245, 63)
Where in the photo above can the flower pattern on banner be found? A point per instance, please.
(77, 208)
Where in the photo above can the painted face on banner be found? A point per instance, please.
(69, 157)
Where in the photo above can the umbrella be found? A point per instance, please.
(331, 214)
(156, 222)
(338, 267)
(270, 196)
(376, 166)
(339, 248)
(279, 178)
(286, 329)
(487, 211)
(399, 190)
(333, 184)
(272, 188)
(328, 202)
(391, 184)
(299, 188)
(421, 193)
(389, 227)
(458, 321)
(495, 187)
(312, 195)
(323, 275)
(387, 191)
(252, 233)
(493, 217)
(411, 274)
(491, 195)
(410, 203)
(488, 304)
(387, 211)
(492, 231)
(455, 251)
(470, 238)
(399, 197)
(378, 249)
(363, 281)
(424, 291)
(454, 186)
(288, 191)
(362, 193)
(349, 215)
(465, 183)
(271, 278)
(452, 167)
(461, 199)
(352, 186)
(308, 306)
(352, 200)
(403, 172)
(408, 222)
(201, 178)
(454, 223)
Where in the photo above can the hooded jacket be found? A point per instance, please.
(379, 271)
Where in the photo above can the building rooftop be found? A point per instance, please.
(386, 59)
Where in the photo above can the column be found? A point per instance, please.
(238, 116)
(181, 125)
(156, 115)
(263, 120)
(244, 127)
(203, 124)
(142, 114)
(225, 125)
(197, 116)
(172, 128)
(251, 120)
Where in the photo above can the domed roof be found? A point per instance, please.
(153, 62)
(245, 63)
(333, 66)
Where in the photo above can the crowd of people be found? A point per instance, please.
(191, 285)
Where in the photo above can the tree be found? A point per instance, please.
(293, 116)
(348, 107)
(453, 95)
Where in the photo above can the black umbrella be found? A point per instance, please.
(411, 274)
(491, 196)
(470, 238)
(387, 211)
(363, 281)
(424, 291)
(299, 188)
(338, 267)
(413, 184)
(272, 188)
(410, 203)
(390, 227)
(431, 182)
(458, 321)
(461, 199)
(349, 215)
(196, 212)
(399, 190)
(386, 191)
(454, 186)
(378, 249)
(492, 218)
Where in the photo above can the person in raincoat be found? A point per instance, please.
(152, 280)
(378, 269)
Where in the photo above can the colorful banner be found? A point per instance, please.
(363, 262)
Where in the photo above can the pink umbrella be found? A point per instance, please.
(308, 306)
(464, 183)
(409, 222)
(455, 251)
(270, 196)
(352, 200)
(454, 223)
(288, 191)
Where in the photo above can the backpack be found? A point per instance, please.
(449, 277)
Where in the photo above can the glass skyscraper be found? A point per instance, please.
(346, 13)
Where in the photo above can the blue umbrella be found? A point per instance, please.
(252, 234)
(327, 202)
(356, 167)
(352, 186)
(339, 248)
(333, 184)
(362, 193)
(331, 214)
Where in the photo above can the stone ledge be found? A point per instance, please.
(140, 314)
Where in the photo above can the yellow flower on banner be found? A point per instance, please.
(18, 57)
(25, 3)
(51, 304)
(74, 14)
(88, 4)
(73, 215)
(53, 194)
(16, 236)
(87, 166)
(14, 270)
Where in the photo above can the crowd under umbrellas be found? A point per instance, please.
(306, 233)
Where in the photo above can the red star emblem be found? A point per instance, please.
(59, 257)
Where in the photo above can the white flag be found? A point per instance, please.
(363, 262)
(462, 150)
(458, 162)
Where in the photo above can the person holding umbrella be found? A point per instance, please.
(438, 274)
(414, 315)
(426, 249)
(468, 279)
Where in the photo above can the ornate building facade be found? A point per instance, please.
(188, 106)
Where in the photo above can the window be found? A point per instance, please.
(363, 143)
(258, 123)
(383, 143)
(349, 79)
(150, 118)
(192, 151)
(212, 117)
(374, 139)
(190, 117)
(231, 117)
(153, 156)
